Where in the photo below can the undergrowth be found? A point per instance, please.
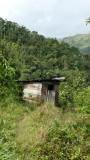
(29, 132)
(10, 116)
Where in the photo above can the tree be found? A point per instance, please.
(88, 21)
(7, 74)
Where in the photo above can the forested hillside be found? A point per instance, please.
(33, 56)
(81, 41)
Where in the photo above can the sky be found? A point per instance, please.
(51, 18)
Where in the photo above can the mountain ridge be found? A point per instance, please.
(81, 41)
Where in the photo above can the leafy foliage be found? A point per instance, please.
(82, 100)
(70, 88)
(7, 75)
(35, 57)
(66, 142)
(74, 93)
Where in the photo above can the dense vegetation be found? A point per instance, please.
(81, 41)
(45, 133)
(29, 132)
(33, 56)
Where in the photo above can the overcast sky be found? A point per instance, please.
(52, 18)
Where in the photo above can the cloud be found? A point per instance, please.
(52, 18)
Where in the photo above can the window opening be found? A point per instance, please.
(50, 87)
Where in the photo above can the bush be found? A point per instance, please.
(8, 84)
(66, 142)
(69, 89)
(82, 100)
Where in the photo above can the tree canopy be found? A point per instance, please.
(35, 57)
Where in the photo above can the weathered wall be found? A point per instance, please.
(32, 92)
(49, 96)
(40, 92)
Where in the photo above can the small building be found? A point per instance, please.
(39, 91)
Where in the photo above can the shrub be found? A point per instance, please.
(66, 142)
(82, 100)
(69, 89)
(8, 84)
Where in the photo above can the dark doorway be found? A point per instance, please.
(51, 94)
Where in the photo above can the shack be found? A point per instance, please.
(39, 91)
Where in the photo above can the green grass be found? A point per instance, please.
(30, 132)
(10, 116)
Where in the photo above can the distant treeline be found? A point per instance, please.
(81, 41)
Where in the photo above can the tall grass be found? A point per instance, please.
(30, 132)
(11, 113)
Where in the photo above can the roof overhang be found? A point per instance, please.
(57, 80)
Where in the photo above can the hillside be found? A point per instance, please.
(35, 57)
(81, 41)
